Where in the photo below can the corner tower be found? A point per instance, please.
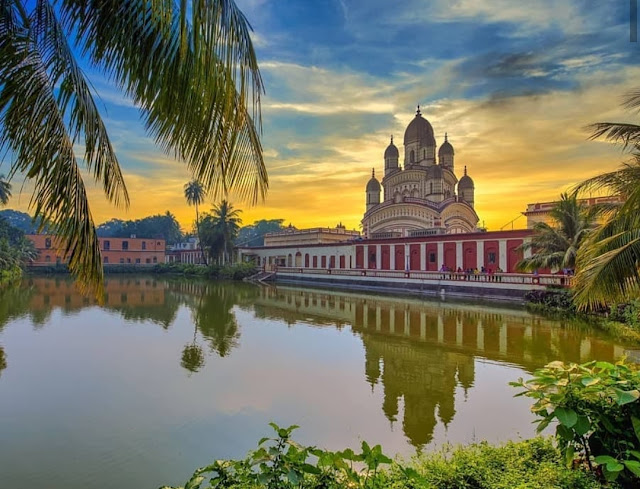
(391, 156)
(373, 191)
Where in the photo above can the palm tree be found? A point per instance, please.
(194, 193)
(608, 266)
(192, 71)
(5, 190)
(556, 246)
(226, 223)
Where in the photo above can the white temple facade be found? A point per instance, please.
(424, 196)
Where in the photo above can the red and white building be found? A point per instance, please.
(442, 264)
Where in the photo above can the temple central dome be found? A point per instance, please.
(419, 129)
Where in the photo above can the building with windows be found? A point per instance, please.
(133, 250)
(423, 197)
(188, 251)
(541, 211)
(293, 236)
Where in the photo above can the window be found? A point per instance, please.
(412, 157)
(137, 260)
(106, 245)
(148, 260)
(47, 258)
(432, 257)
(47, 243)
(155, 259)
(128, 260)
(105, 259)
(125, 245)
(492, 258)
(121, 260)
(144, 245)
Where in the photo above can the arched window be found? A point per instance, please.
(431, 188)
(424, 154)
(412, 157)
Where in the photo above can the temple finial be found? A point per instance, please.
(465, 170)
(418, 111)
(392, 139)
(445, 137)
(373, 172)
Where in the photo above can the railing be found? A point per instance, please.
(502, 278)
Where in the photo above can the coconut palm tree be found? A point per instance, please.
(224, 224)
(556, 246)
(194, 193)
(5, 190)
(608, 266)
(189, 66)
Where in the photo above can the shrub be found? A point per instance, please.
(597, 411)
(628, 313)
(551, 300)
(282, 463)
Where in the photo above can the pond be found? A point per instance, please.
(169, 374)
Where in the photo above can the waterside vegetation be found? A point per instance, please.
(279, 462)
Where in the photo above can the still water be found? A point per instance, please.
(168, 375)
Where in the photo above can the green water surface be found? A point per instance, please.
(167, 375)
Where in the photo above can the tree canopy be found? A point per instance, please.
(160, 225)
(253, 234)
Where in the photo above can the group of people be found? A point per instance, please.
(472, 271)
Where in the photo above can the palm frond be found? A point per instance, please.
(35, 133)
(76, 101)
(624, 133)
(196, 81)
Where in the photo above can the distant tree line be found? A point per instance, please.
(164, 226)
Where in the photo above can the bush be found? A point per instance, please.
(551, 300)
(282, 463)
(597, 409)
(628, 313)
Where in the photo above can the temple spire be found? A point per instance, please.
(445, 137)
(418, 111)
(392, 139)
(465, 170)
(373, 172)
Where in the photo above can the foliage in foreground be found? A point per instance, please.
(597, 409)
(608, 269)
(282, 463)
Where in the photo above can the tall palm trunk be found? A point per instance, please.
(204, 257)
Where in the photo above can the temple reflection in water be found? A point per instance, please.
(422, 352)
(419, 353)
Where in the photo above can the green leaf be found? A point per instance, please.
(568, 456)
(635, 453)
(633, 466)
(636, 426)
(564, 432)
(310, 469)
(589, 381)
(566, 416)
(582, 426)
(625, 397)
(293, 477)
(605, 459)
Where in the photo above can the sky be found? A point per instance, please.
(514, 84)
